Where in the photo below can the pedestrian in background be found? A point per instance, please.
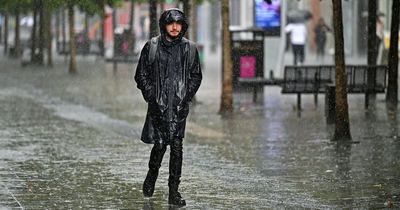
(320, 37)
(298, 38)
(169, 75)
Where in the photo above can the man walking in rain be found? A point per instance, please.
(169, 75)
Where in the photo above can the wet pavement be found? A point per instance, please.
(72, 142)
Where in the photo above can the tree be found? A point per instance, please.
(43, 39)
(153, 18)
(42, 25)
(12, 7)
(372, 37)
(98, 7)
(131, 17)
(88, 6)
(187, 9)
(227, 88)
(103, 22)
(372, 50)
(392, 90)
(72, 47)
(342, 125)
(1, 26)
(194, 20)
(63, 31)
(49, 37)
(17, 40)
(5, 33)
(35, 9)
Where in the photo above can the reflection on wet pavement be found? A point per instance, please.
(72, 142)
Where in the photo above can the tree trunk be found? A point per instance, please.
(86, 35)
(372, 51)
(226, 97)
(132, 28)
(1, 27)
(372, 37)
(194, 20)
(49, 36)
(72, 47)
(33, 34)
(192, 17)
(131, 18)
(5, 33)
(153, 18)
(186, 10)
(57, 27)
(102, 36)
(392, 90)
(86, 26)
(42, 26)
(114, 26)
(342, 125)
(102, 29)
(17, 41)
(63, 31)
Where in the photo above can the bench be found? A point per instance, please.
(357, 82)
(92, 47)
(313, 79)
(307, 80)
(122, 59)
(258, 82)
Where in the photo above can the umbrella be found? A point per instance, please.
(26, 21)
(296, 16)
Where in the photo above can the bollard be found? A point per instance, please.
(330, 103)
(316, 88)
(298, 101)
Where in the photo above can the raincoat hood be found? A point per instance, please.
(173, 15)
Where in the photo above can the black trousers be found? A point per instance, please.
(321, 49)
(175, 161)
(298, 53)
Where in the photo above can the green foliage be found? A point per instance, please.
(55, 4)
(13, 6)
(202, 1)
(174, 1)
(91, 7)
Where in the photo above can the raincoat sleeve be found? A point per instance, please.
(143, 75)
(288, 28)
(195, 77)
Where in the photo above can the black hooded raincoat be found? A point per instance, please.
(168, 83)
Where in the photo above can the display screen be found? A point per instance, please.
(268, 16)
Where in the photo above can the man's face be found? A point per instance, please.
(173, 29)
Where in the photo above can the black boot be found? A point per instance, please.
(157, 154)
(175, 197)
(149, 183)
(175, 169)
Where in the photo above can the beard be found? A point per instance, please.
(173, 37)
